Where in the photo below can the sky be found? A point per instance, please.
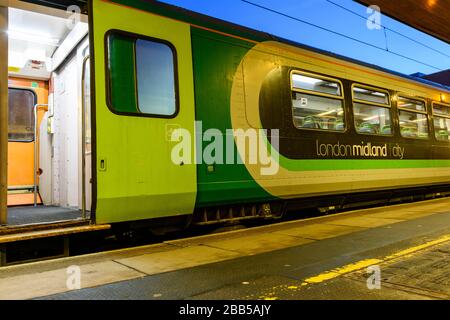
(430, 54)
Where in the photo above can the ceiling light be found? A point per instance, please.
(32, 37)
(16, 60)
(326, 113)
(374, 117)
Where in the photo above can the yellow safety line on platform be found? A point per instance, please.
(328, 275)
(418, 248)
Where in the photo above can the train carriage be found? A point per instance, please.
(334, 129)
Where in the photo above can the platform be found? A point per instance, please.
(318, 258)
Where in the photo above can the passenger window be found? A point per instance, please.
(441, 110)
(413, 118)
(317, 103)
(411, 104)
(371, 110)
(442, 129)
(315, 84)
(21, 115)
(441, 123)
(142, 76)
(413, 125)
(372, 119)
(369, 95)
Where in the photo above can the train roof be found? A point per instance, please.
(241, 31)
(199, 19)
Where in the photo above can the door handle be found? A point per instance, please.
(102, 165)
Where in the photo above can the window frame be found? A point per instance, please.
(433, 103)
(320, 94)
(370, 103)
(318, 76)
(399, 109)
(32, 110)
(108, 79)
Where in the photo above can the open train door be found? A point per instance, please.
(143, 89)
(3, 115)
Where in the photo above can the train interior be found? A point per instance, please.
(49, 159)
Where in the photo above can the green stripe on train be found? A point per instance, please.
(352, 164)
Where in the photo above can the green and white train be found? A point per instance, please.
(334, 131)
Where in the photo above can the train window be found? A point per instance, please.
(411, 104)
(413, 118)
(441, 114)
(317, 102)
(21, 115)
(315, 112)
(371, 111)
(141, 76)
(371, 119)
(413, 125)
(155, 78)
(369, 95)
(442, 110)
(442, 129)
(307, 82)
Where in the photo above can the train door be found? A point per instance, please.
(49, 175)
(143, 90)
(86, 132)
(26, 102)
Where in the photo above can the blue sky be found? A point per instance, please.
(330, 16)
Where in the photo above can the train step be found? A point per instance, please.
(40, 244)
(18, 229)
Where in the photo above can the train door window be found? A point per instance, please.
(317, 102)
(441, 115)
(21, 104)
(413, 118)
(141, 76)
(372, 111)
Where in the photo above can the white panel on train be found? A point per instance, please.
(66, 137)
(45, 163)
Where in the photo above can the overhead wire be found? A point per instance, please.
(389, 29)
(339, 34)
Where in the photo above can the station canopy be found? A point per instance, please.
(59, 4)
(429, 16)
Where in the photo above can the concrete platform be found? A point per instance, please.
(319, 258)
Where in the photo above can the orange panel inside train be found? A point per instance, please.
(24, 96)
